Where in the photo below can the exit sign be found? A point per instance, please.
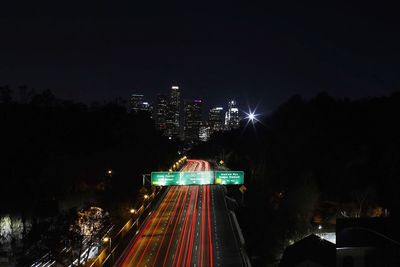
(182, 178)
(229, 177)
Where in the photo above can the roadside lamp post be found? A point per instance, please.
(108, 240)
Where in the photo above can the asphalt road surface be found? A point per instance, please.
(191, 227)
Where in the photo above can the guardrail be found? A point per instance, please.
(243, 254)
(245, 257)
(232, 217)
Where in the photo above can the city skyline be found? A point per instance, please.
(243, 105)
(223, 133)
(256, 52)
(187, 119)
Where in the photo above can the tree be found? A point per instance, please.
(87, 230)
(5, 94)
(363, 199)
(79, 231)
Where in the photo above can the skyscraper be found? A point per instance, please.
(160, 112)
(216, 119)
(232, 116)
(193, 120)
(137, 103)
(173, 113)
(204, 132)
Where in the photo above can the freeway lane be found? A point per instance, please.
(190, 227)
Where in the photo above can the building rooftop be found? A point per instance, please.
(311, 249)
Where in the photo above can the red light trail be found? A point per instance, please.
(179, 232)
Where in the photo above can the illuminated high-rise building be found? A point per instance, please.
(204, 132)
(160, 112)
(232, 116)
(173, 113)
(192, 120)
(137, 103)
(216, 119)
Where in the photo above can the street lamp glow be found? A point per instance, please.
(146, 196)
(252, 116)
(106, 239)
(132, 211)
(109, 171)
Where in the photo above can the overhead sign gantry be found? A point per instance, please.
(229, 177)
(197, 178)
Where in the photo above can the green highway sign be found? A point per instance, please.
(229, 177)
(200, 178)
(164, 178)
(182, 178)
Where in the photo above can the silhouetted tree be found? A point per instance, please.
(5, 94)
(307, 152)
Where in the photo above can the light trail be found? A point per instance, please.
(175, 225)
(193, 225)
(209, 227)
(182, 234)
(155, 230)
(134, 250)
(179, 231)
(202, 226)
(168, 225)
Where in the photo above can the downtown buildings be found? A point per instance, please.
(216, 119)
(192, 120)
(173, 113)
(184, 120)
(137, 103)
(232, 116)
(160, 112)
(167, 113)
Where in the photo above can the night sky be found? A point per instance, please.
(254, 52)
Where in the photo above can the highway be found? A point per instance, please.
(191, 227)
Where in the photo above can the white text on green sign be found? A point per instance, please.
(229, 177)
(182, 178)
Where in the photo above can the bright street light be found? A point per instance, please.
(132, 211)
(146, 196)
(251, 116)
(108, 240)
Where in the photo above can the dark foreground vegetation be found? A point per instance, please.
(59, 155)
(310, 162)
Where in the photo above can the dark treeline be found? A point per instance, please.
(310, 152)
(53, 150)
